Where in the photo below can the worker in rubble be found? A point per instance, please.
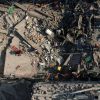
(53, 72)
(57, 76)
(58, 72)
(62, 73)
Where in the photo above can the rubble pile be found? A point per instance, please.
(65, 91)
(50, 41)
(58, 39)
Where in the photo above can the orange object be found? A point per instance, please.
(16, 50)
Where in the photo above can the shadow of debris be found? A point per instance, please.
(19, 90)
(3, 56)
(2, 62)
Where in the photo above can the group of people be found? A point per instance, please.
(61, 73)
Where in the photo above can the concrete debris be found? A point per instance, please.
(49, 32)
(58, 33)
(65, 91)
(50, 40)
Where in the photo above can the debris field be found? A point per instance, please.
(53, 40)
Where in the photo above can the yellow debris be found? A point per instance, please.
(59, 68)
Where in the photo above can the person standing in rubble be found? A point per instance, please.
(51, 72)
(58, 73)
(54, 72)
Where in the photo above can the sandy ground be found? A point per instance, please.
(19, 66)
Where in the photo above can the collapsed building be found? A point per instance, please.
(56, 40)
(40, 36)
